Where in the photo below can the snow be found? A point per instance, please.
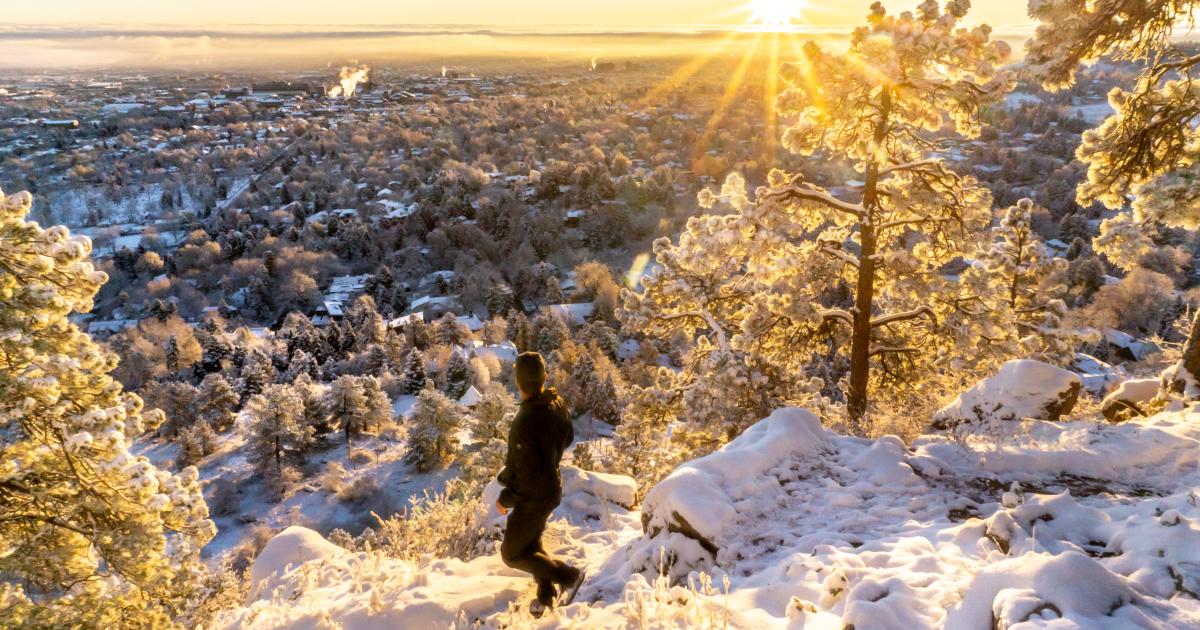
(1021, 389)
(288, 549)
(471, 397)
(703, 494)
(1062, 524)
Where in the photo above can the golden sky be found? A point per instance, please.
(510, 13)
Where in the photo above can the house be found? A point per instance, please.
(471, 398)
(577, 314)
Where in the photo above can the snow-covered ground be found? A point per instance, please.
(1058, 524)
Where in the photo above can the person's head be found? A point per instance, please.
(530, 370)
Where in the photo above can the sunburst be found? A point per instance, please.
(774, 15)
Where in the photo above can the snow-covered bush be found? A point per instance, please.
(446, 524)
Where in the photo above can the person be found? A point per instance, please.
(540, 433)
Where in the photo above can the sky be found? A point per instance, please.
(292, 34)
(513, 13)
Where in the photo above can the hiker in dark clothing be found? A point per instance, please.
(540, 433)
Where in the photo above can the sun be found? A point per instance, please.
(774, 15)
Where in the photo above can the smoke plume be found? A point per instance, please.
(348, 80)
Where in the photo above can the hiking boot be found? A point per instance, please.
(537, 609)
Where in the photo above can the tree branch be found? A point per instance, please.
(905, 316)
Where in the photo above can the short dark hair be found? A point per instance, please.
(530, 368)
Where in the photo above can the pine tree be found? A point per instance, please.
(195, 443)
(276, 428)
(172, 356)
(1012, 297)
(358, 404)
(301, 363)
(177, 400)
(414, 373)
(548, 332)
(519, 330)
(217, 403)
(316, 415)
(93, 535)
(457, 377)
(759, 290)
(1147, 150)
(582, 384)
(488, 424)
(448, 332)
(433, 428)
(257, 372)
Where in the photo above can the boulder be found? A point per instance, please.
(1129, 399)
(700, 499)
(1021, 389)
(289, 548)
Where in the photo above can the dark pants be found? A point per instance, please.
(522, 548)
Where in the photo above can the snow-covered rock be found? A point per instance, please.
(1021, 389)
(1097, 375)
(618, 489)
(1129, 397)
(287, 550)
(701, 499)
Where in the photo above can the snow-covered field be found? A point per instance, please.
(1063, 525)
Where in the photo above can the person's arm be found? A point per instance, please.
(522, 465)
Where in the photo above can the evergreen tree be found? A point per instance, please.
(358, 404)
(301, 363)
(316, 415)
(488, 423)
(457, 377)
(548, 332)
(93, 535)
(276, 428)
(1012, 297)
(195, 443)
(448, 332)
(217, 403)
(172, 356)
(757, 289)
(414, 373)
(257, 372)
(177, 400)
(1148, 150)
(433, 428)
(519, 330)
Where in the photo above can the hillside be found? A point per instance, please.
(1073, 524)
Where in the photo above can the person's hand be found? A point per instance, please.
(503, 510)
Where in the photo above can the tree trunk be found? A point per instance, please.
(864, 299)
(1189, 363)
(860, 348)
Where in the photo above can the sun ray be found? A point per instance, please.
(770, 91)
(689, 70)
(731, 90)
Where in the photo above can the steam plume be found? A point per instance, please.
(348, 80)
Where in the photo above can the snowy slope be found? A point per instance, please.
(1064, 525)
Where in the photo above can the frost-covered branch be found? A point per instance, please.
(905, 316)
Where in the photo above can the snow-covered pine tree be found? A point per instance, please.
(171, 357)
(414, 373)
(1012, 298)
(448, 332)
(796, 271)
(347, 405)
(276, 428)
(378, 405)
(301, 363)
(312, 396)
(457, 376)
(582, 384)
(217, 403)
(1149, 149)
(195, 442)
(432, 430)
(177, 400)
(548, 332)
(488, 424)
(93, 535)
(257, 372)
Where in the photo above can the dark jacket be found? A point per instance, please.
(540, 433)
